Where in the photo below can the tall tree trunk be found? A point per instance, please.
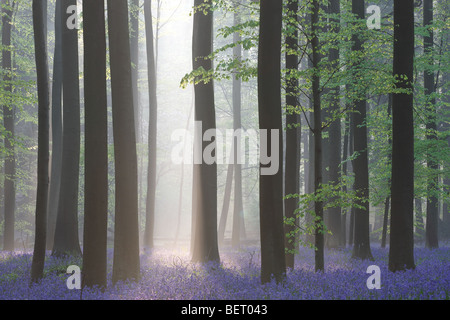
(351, 231)
(361, 245)
(334, 138)
(238, 210)
(431, 227)
(57, 130)
(388, 198)
(134, 47)
(96, 145)
(419, 234)
(205, 243)
(293, 135)
(269, 109)
(66, 230)
(152, 129)
(9, 188)
(343, 237)
(318, 204)
(226, 203)
(401, 246)
(126, 264)
(39, 8)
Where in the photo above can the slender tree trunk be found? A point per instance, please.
(343, 237)
(419, 235)
(401, 247)
(318, 204)
(269, 107)
(361, 245)
(387, 201)
(385, 221)
(152, 129)
(238, 210)
(205, 243)
(334, 153)
(96, 145)
(66, 230)
(226, 203)
(293, 135)
(134, 47)
(351, 231)
(9, 188)
(126, 264)
(39, 8)
(431, 227)
(57, 130)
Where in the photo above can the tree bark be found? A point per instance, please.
(293, 135)
(96, 145)
(361, 244)
(431, 227)
(269, 108)
(126, 264)
(318, 204)
(56, 129)
(401, 247)
(205, 243)
(152, 130)
(226, 204)
(238, 210)
(9, 188)
(39, 8)
(66, 230)
(134, 47)
(334, 138)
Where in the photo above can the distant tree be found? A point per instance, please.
(226, 203)
(134, 47)
(126, 264)
(96, 145)
(152, 129)
(317, 132)
(431, 227)
(334, 135)
(40, 44)
(238, 210)
(9, 188)
(205, 242)
(361, 243)
(269, 112)
(293, 134)
(401, 247)
(66, 230)
(56, 127)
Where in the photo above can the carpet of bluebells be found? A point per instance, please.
(170, 275)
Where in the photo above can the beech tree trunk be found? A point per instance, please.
(66, 231)
(334, 138)
(205, 243)
(431, 227)
(56, 130)
(9, 188)
(152, 129)
(269, 107)
(401, 245)
(96, 145)
(39, 8)
(126, 264)
(361, 242)
(318, 204)
(238, 210)
(293, 135)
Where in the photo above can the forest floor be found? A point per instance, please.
(169, 274)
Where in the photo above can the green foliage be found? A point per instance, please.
(331, 196)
